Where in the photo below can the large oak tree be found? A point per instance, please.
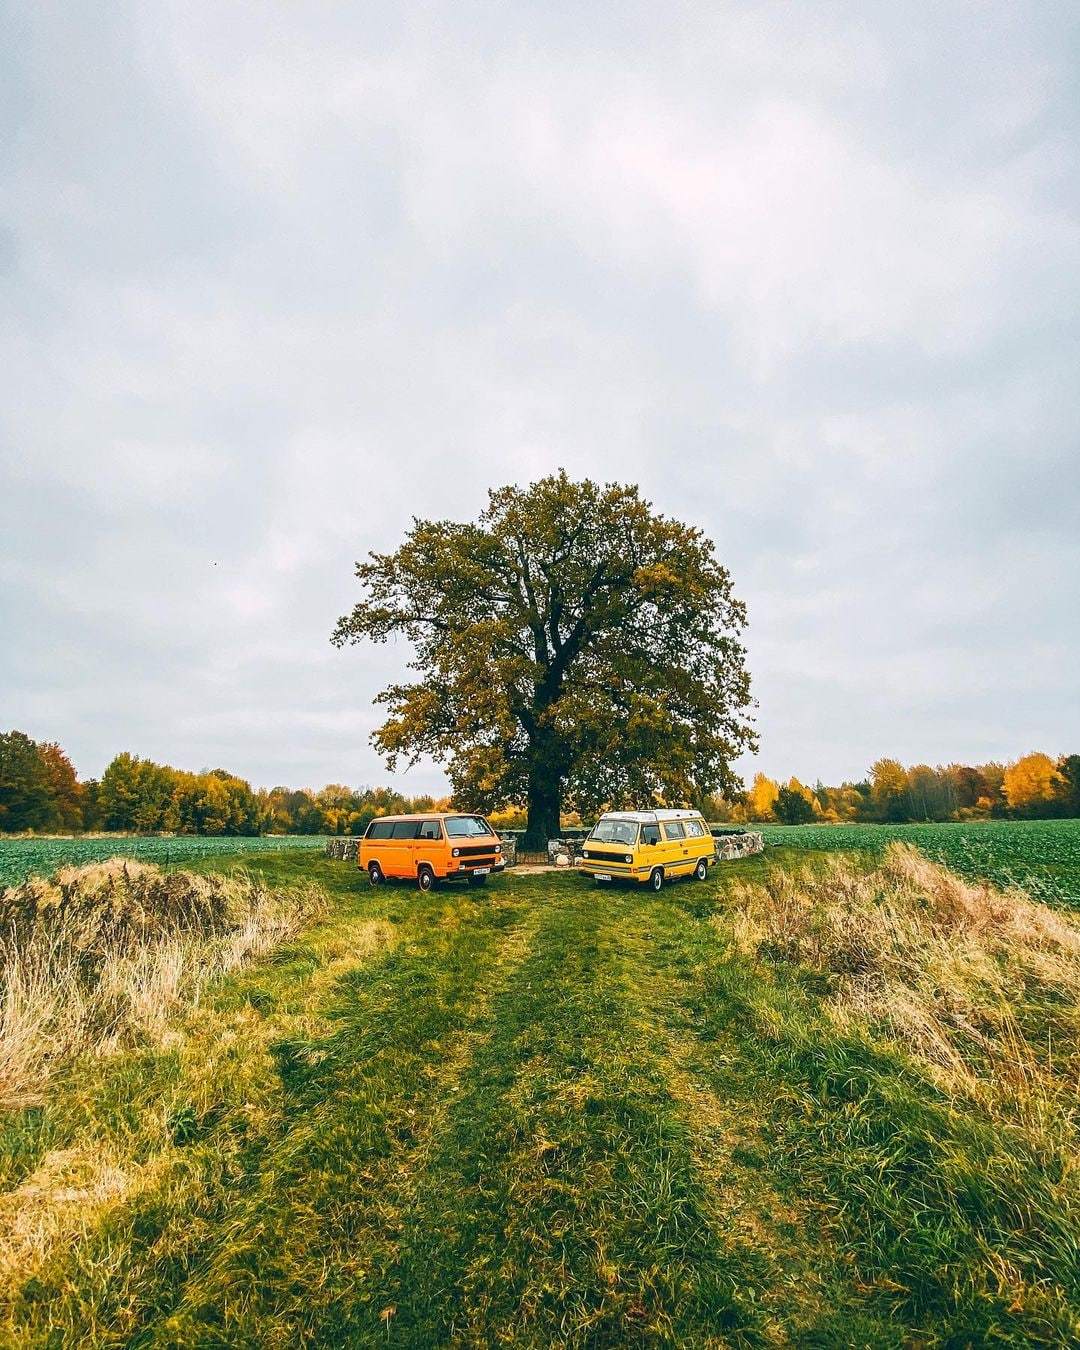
(573, 649)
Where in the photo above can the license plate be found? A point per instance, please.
(480, 871)
(602, 876)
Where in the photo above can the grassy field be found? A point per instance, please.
(1041, 856)
(743, 1113)
(23, 857)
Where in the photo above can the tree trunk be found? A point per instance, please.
(545, 800)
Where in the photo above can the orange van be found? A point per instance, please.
(439, 846)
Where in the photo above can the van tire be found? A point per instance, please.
(375, 874)
(425, 878)
(656, 879)
(701, 871)
(477, 881)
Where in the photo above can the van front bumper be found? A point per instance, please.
(471, 866)
(613, 871)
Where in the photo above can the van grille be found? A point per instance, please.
(591, 853)
(473, 850)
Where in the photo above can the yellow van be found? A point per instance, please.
(437, 846)
(649, 847)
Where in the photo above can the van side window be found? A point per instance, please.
(694, 829)
(429, 829)
(674, 830)
(405, 829)
(380, 829)
(650, 834)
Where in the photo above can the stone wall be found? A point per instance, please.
(745, 845)
(344, 849)
(564, 852)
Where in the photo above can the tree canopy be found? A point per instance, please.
(39, 789)
(572, 647)
(793, 806)
(1032, 779)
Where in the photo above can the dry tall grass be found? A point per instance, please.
(59, 1201)
(104, 954)
(982, 984)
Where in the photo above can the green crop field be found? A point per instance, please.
(20, 858)
(1041, 856)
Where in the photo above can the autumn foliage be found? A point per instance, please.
(1032, 780)
(40, 791)
(1034, 785)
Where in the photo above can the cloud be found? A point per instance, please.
(278, 279)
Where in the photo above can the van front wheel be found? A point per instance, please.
(656, 878)
(375, 875)
(425, 878)
(701, 871)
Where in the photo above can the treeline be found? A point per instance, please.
(1033, 786)
(40, 791)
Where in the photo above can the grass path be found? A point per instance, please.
(364, 1102)
(805, 1287)
(562, 1200)
(537, 1114)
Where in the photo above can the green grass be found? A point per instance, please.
(23, 857)
(1040, 856)
(534, 1114)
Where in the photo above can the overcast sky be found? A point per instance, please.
(274, 278)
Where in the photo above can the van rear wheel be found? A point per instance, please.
(656, 878)
(425, 878)
(375, 875)
(701, 871)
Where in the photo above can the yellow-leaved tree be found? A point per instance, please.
(889, 791)
(1032, 781)
(762, 797)
(808, 793)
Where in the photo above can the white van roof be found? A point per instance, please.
(650, 816)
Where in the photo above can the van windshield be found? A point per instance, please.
(615, 831)
(461, 827)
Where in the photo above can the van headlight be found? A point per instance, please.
(629, 857)
(455, 852)
(498, 848)
(584, 852)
